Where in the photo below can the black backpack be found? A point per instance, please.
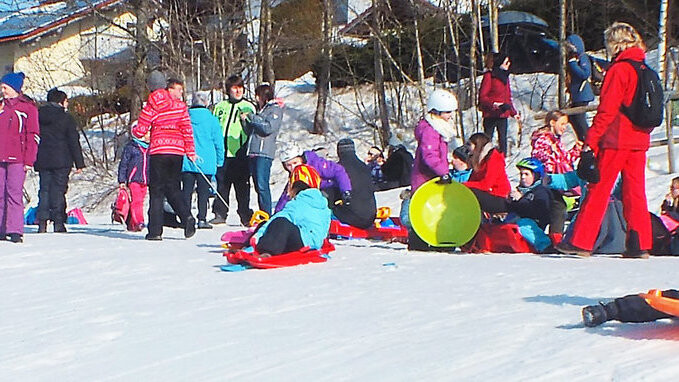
(647, 109)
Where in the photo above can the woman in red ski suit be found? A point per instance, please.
(620, 147)
(489, 180)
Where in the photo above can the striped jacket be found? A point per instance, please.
(170, 125)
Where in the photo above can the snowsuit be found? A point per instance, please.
(361, 211)
(489, 181)
(310, 215)
(334, 178)
(431, 156)
(133, 171)
(495, 88)
(171, 139)
(634, 308)
(20, 134)
(534, 204)
(236, 169)
(620, 147)
(263, 129)
(58, 150)
(207, 137)
(397, 169)
(580, 69)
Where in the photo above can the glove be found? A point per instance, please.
(346, 198)
(587, 168)
(445, 179)
(505, 107)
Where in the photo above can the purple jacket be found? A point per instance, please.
(134, 164)
(19, 131)
(332, 175)
(431, 157)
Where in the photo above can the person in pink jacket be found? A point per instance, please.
(19, 138)
(166, 116)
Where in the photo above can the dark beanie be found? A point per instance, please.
(156, 81)
(345, 144)
(462, 153)
(498, 59)
(14, 80)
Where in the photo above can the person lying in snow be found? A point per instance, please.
(303, 222)
(333, 175)
(631, 308)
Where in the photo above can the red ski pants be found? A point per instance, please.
(138, 192)
(632, 166)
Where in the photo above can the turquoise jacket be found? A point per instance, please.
(209, 142)
(310, 213)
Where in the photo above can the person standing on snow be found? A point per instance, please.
(165, 115)
(263, 129)
(495, 99)
(619, 147)
(59, 149)
(236, 169)
(133, 173)
(19, 138)
(209, 144)
(359, 208)
(580, 89)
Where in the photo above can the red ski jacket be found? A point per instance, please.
(170, 125)
(491, 175)
(19, 131)
(494, 90)
(611, 129)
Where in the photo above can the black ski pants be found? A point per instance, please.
(165, 171)
(490, 203)
(195, 181)
(281, 236)
(52, 194)
(634, 308)
(236, 173)
(499, 124)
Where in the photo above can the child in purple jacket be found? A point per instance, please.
(133, 173)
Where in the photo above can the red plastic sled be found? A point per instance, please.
(667, 305)
(498, 238)
(341, 230)
(303, 256)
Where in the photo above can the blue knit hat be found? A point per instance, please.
(14, 80)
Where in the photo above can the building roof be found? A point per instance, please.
(26, 22)
(516, 17)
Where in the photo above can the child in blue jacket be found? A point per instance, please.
(303, 222)
(133, 174)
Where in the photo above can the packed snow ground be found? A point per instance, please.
(99, 303)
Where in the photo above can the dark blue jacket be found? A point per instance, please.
(534, 204)
(134, 165)
(580, 69)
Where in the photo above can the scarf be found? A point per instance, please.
(443, 127)
(524, 190)
(500, 74)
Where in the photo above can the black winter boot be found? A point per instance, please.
(190, 227)
(633, 247)
(42, 226)
(59, 227)
(16, 238)
(594, 315)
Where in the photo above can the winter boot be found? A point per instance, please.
(152, 237)
(202, 224)
(190, 227)
(218, 219)
(16, 238)
(570, 249)
(633, 248)
(594, 315)
(42, 226)
(59, 227)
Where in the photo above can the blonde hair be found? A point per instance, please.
(621, 36)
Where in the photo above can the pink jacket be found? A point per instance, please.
(170, 125)
(431, 157)
(548, 148)
(19, 131)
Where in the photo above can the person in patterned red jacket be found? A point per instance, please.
(19, 138)
(619, 147)
(167, 117)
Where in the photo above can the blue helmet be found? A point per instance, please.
(532, 164)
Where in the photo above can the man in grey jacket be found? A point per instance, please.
(263, 129)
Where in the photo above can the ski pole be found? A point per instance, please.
(209, 182)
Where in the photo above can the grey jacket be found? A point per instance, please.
(263, 129)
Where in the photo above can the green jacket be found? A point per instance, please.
(228, 114)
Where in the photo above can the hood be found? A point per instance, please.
(160, 100)
(347, 155)
(635, 54)
(313, 198)
(577, 43)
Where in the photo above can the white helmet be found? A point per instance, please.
(442, 101)
(291, 150)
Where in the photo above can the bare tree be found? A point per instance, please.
(323, 80)
(562, 53)
(385, 130)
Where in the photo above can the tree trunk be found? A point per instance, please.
(472, 66)
(562, 53)
(323, 80)
(385, 131)
(418, 53)
(493, 23)
(262, 43)
(663, 31)
(140, 54)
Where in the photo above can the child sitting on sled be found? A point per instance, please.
(670, 207)
(304, 221)
(631, 308)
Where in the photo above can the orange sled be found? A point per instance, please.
(667, 305)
